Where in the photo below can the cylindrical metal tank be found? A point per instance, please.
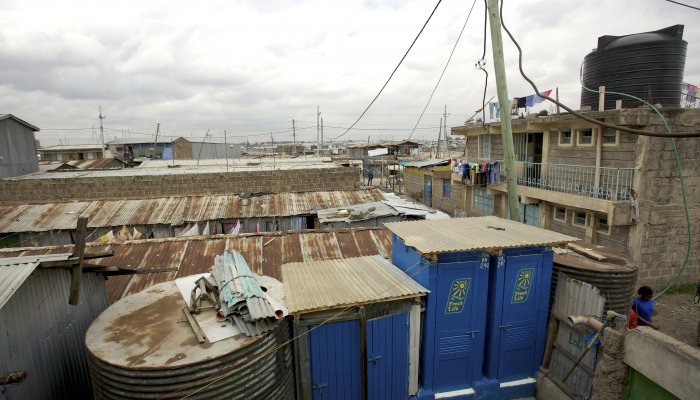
(642, 64)
(616, 279)
(142, 347)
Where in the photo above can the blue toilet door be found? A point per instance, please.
(387, 357)
(519, 321)
(335, 361)
(460, 319)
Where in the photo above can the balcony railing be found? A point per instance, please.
(614, 184)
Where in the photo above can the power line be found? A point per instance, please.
(684, 5)
(481, 64)
(577, 114)
(443, 70)
(392, 73)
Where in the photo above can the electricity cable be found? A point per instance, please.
(634, 131)
(579, 115)
(683, 4)
(443, 70)
(392, 73)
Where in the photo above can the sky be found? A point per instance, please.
(250, 68)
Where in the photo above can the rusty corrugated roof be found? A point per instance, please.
(325, 285)
(264, 252)
(174, 210)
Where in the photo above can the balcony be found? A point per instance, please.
(614, 184)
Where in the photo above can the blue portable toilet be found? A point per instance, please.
(489, 289)
(355, 321)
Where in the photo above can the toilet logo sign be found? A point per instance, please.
(523, 282)
(457, 296)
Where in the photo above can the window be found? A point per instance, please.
(565, 137)
(601, 224)
(59, 157)
(560, 214)
(585, 137)
(483, 201)
(90, 156)
(484, 146)
(610, 137)
(446, 188)
(580, 219)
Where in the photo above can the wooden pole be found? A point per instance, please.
(503, 104)
(78, 251)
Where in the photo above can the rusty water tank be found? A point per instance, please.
(616, 277)
(142, 347)
(648, 64)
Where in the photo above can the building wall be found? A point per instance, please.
(621, 155)
(447, 204)
(661, 239)
(206, 151)
(414, 182)
(17, 149)
(40, 190)
(45, 336)
(182, 149)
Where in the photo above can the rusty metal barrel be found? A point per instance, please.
(143, 347)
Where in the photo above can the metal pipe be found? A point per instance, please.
(589, 320)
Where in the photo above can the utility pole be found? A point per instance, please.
(294, 135)
(226, 149)
(155, 142)
(318, 127)
(102, 133)
(321, 137)
(444, 121)
(503, 104)
(437, 148)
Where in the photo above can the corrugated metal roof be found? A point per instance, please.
(15, 270)
(174, 210)
(358, 212)
(410, 208)
(264, 253)
(426, 163)
(97, 164)
(478, 233)
(324, 285)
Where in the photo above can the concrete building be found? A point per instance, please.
(631, 200)
(17, 147)
(74, 152)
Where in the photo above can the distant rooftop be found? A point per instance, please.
(68, 147)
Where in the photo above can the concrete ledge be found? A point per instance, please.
(673, 365)
(617, 211)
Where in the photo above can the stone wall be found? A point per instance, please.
(23, 191)
(661, 240)
(414, 183)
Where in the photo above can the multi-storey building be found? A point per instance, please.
(604, 186)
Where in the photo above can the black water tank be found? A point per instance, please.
(640, 64)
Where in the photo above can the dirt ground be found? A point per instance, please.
(678, 316)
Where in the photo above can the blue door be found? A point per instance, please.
(428, 190)
(387, 357)
(335, 361)
(518, 326)
(460, 322)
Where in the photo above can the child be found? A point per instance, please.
(643, 307)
